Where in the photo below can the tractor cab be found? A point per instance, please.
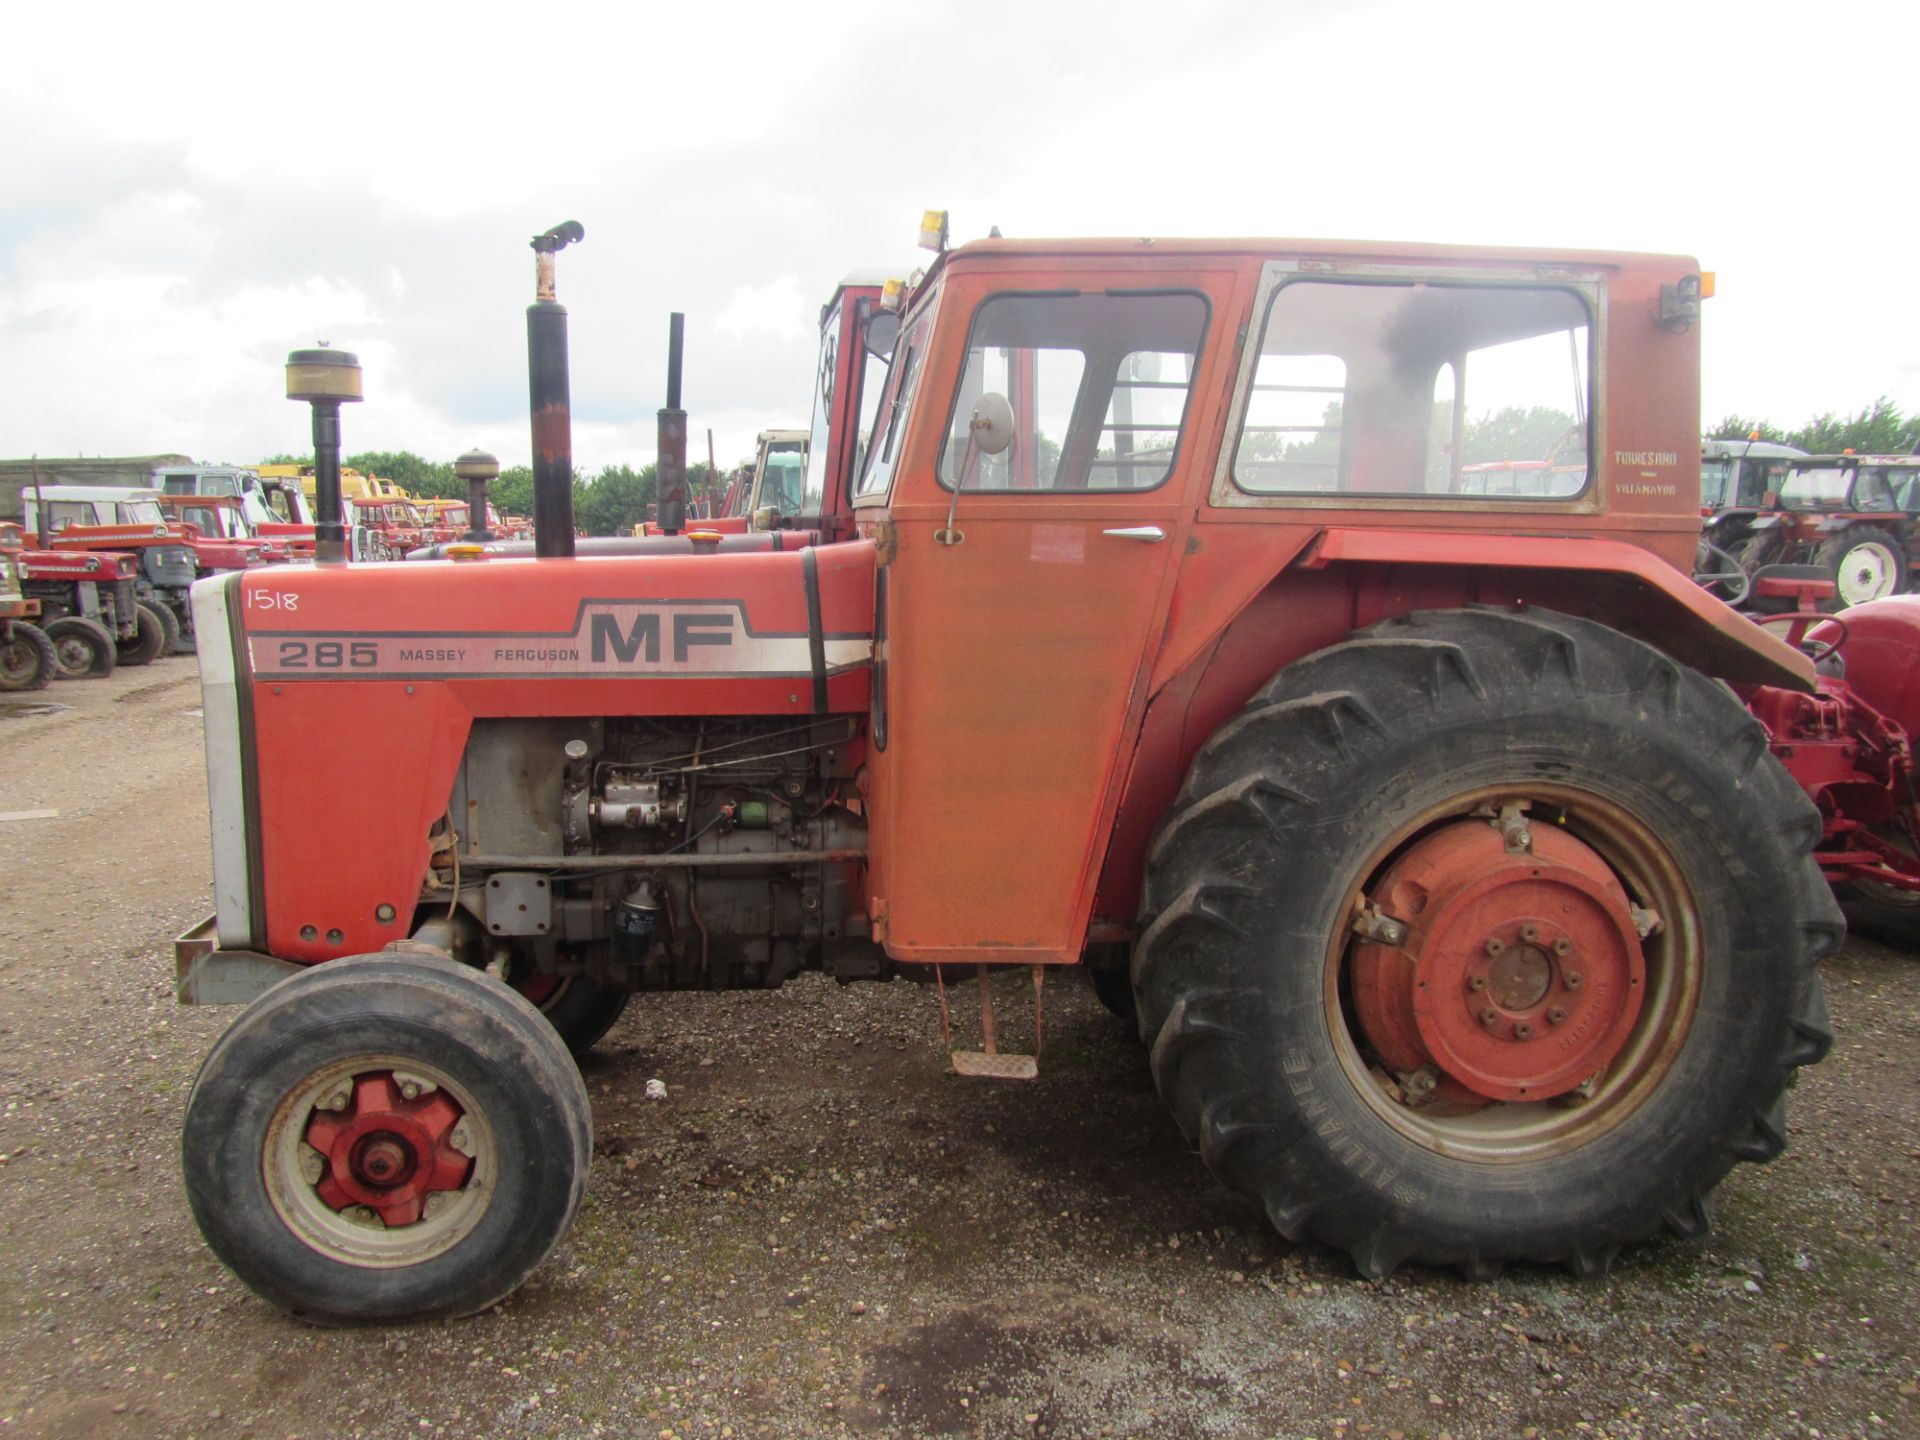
(1857, 517)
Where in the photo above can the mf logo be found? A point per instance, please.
(639, 639)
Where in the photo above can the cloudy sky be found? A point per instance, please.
(189, 191)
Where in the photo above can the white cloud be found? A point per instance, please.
(778, 309)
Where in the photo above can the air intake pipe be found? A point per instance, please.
(549, 399)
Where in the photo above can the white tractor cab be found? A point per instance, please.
(779, 479)
(1739, 480)
(1741, 474)
(242, 485)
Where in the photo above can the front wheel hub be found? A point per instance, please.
(386, 1151)
(1519, 974)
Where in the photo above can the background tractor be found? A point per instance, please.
(1856, 517)
(1157, 625)
(27, 660)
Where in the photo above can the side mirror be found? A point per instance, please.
(991, 429)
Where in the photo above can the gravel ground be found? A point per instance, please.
(821, 1233)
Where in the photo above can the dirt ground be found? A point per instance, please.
(821, 1233)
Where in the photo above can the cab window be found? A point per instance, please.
(1418, 388)
(1098, 385)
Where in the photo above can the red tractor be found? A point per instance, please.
(27, 660)
(1155, 627)
(1857, 517)
(90, 609)
(223, 536)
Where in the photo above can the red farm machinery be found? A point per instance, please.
(1142, 617)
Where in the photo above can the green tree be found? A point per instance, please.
(417, 476)
(1516, 434)
(1743, 427)
(1879, 429)
(615, 500)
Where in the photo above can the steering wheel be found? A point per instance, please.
(1732, 582)
(1816, 650)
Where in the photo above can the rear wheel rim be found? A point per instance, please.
(377, 1118)
(1867, 571)
(1508, 1132)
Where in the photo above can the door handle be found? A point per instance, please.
(1149, 534)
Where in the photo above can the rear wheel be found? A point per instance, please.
(578, 1008)
(26, 657)
(149, 644)
(83, 649)
(386, 1138)
(1484, 937)
(1885, 912)
(1867, 563)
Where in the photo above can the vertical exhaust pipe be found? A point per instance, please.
(671, 467)
(549, 399)
(325, 379)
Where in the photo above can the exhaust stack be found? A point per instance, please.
(549, 399)
(671, 466)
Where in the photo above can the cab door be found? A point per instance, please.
(1017, 639)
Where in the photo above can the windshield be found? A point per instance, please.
(784, 476)
(1715, 471)
(890, 413)
(255, 509)
(867, 376)
(1819, 489)
(140, 512)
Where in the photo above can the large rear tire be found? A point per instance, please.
(1866, 562)
(386, 1138)
(581, 1010)
(26, 658)
(1377, 783)
(149, 644)
(1888, 915)
(83, 649)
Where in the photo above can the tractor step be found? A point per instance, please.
(993, 1063)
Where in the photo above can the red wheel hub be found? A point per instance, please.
(388, 1152)
(1520, 974)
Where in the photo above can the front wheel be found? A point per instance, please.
(1484, 937)
(149, 643)
(83, 649)
(27, 660)
(386, 1138)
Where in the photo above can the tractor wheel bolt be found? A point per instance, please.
(1556, 1016)
(1571, 979)
(1522, 1030)
(1563, 946)
(1476, 982)
(1489, 1017)
(1495, 945)
(1529, 933)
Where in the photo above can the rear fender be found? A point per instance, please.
(1349, 578)
(1616, 583)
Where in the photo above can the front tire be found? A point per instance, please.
(386, 1138)
(83, 649)
(149, 644)
(27, 660)
(1362, 1088)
